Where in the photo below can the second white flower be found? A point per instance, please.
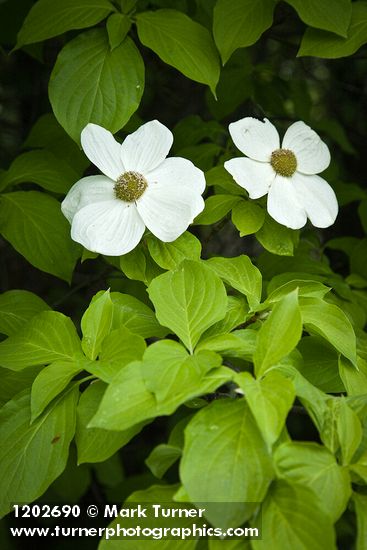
(286, 174)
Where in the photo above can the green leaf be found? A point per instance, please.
(165, 368)
(50, 382)
(182, 43)
(237, 314)
(270, 400)
(331, 323)
(240, 23)
(119, 348)
(248, 217)
(131, 313)
(169, 255)
(322, 409)
(110, 473)
(47, 337)
(240, 343)
(134, 402)
(96, 444)
(356, 281)
(235, 87)
(240, 467)
(104, 370)
(192, 130)
(307, 263)
(161, 459)
(16, 308)
(216, 207)
(118, 25)
(320, 364)
(222, 181)
(176, 437)
(42, 168)
(292, 518)
(279, 334)
(345, 244)
(317, 13)
(248, 337)
(203, 155)
(33, 223)
(47, 18)
(335, 130)
(96, 324)
(277, 238)
(355, 381)
(91, 83)
(360, 503)
(359, 405)
(168, 369)
(127, 400)
(325, 44)
(290, 278)
(188, 300)
(45, 443)
(348, 192)
(313, 466)
(307, 289)
(88, 255)
(349, 431)
(122, 346)
(324, 413)
(13, 382)
(241, 274)
(47, 134)
(357, 263)
(73, 483)
(139, 265)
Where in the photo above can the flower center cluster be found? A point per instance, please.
(130, 186)
(284, 162)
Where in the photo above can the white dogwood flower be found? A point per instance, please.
(287, 173)
(140, 188)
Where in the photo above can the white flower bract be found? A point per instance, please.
(287, 174)
(163, 194)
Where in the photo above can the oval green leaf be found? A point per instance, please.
(182, 43)
(91, 83)
(280, 333)
(44, 443)
(292, 518)
(189, 300)
(33, 223)
(326, 44)
(48, 18)
(225, 460)
(42, 168)
(49, 336)
(16, 308)
(320, 14)
(240, 23)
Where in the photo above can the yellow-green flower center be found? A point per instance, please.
(284, 162)
(130, 186)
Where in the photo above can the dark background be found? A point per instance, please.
(265, 80)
